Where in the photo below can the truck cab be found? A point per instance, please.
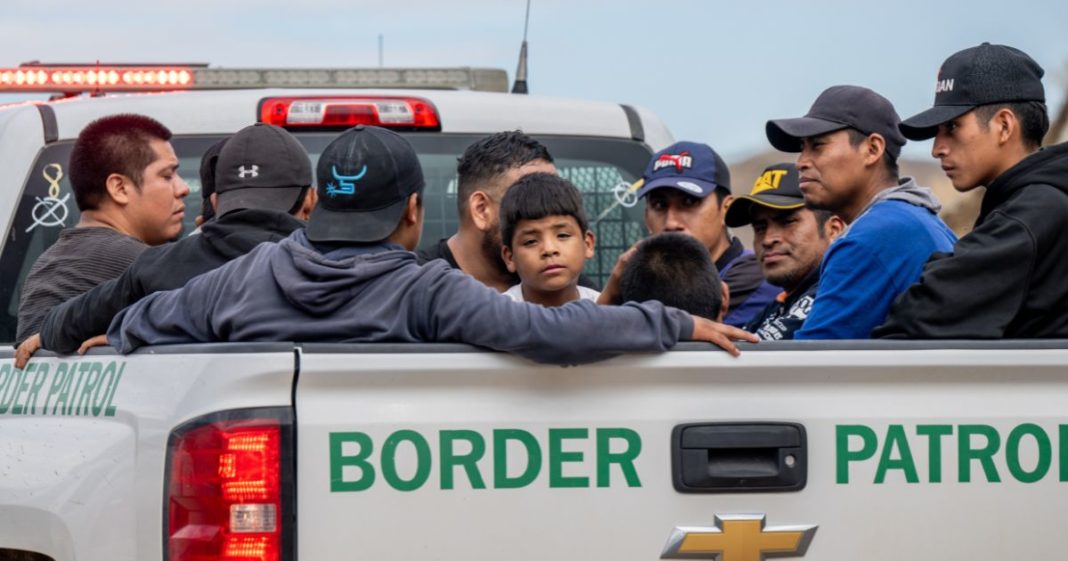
(877, 450)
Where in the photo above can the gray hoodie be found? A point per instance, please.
(909, 191)
(293, 291)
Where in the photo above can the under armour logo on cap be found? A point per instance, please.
(243, 172)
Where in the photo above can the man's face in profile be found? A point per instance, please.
(496, 188)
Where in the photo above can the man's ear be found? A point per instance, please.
(726, 301)
(120, 188)
(591, 241)
(875, 147)
(834, 227)
(506, 255)
(311, 198)
(1006, 123)
(724, 204)
(411, 214)
(481, 208)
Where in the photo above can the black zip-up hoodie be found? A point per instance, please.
(163, 267)
(1008, 278)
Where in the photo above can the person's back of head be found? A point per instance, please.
(546, 237)
(675, 269)
(370, 187)
(116, 144)
(263, 167)
(483, 162)
(208, 162)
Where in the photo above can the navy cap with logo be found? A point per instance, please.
(837, 108)
(365, 176)
(977, 76)
(261, 166)
(778, 188)
(691, 167)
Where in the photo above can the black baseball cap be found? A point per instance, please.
(261, 166)
(837, 108)
(365, 177)
(777, 187)
(690, 167)
(977, 76)
(208, 162)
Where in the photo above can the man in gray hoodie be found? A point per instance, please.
(848, 145)
(351, 276)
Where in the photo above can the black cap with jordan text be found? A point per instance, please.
(778, 188)
(977, 76)
(366, 176)
(837, 108)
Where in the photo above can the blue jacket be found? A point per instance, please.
(879, 257)
(294, 291)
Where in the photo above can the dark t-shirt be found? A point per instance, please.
(81, 259)
(441, 250)
(786, 314)
(749, 292)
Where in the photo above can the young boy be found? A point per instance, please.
(547, 240)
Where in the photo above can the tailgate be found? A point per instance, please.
(873, 452)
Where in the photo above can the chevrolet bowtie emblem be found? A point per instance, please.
(738, 537)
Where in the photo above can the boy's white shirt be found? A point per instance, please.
(516, 293)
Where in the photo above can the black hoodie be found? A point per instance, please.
(1008, 278)
(163, 267)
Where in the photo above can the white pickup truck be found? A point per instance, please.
(874, 450)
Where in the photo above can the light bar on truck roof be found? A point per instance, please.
(75, 79)
(348, 111)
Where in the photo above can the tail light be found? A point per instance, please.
(348, 111)
(229, 492)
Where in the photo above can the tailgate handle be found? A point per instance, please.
(739, 457)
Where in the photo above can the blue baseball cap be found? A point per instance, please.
(690, 167)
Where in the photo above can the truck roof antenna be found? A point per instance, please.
(520, 86)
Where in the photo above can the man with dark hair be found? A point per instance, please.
(485, 171)
(790, 241)
(687, 189)
(676, 270)
(124, 175)
(893, 223)
(1005, 279)
(351, 276)
(263, 193)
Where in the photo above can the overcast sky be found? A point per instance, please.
(714, 71)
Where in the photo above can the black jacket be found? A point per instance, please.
(163, 267)
(749, 292)
(1008, 278)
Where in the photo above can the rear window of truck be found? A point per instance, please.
(599, 167)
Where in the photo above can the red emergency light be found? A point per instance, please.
(348, 111)
(71, 79)
(33, 78)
